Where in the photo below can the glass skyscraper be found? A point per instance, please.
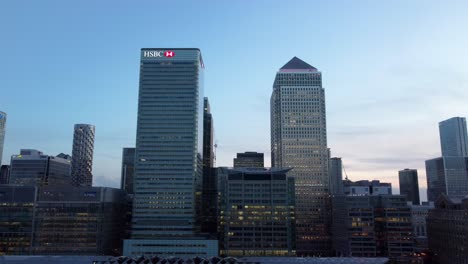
(168, 165)
(453, 137)
(299, 141)
(408, 179)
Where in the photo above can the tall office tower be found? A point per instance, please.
(3, 117)
(31, 167)
(409, 186)
(336, 176)
(4, 174)
(82, 155)
(168, 165)
(209, 191)
(249, 159)
(127, 172)
(299, 141)
(256, 212)
(453, 137)
(447, 175)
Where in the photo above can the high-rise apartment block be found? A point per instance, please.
(256, 212)
(299, 141)
(453, 137)
(82, 155)
(3, 117)
(168, 165)
(31, 167)
(127, 170)
(409, 186)
(336, 176)
(249, 159)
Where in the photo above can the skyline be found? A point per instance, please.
(386, 47)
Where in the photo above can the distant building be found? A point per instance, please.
(409, 186)
(336, 176)
(4, 174)
(79, 221)
(82, 155)
(209, 202)
(447, 175)
(447, 230)
(418, 218)
(372, 226)
(31, 167)
(366, 187)
(16, 219)
(256, 212)
(453, 137)
(3, 117)
(249, 160)
(127, 171)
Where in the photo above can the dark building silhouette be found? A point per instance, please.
(4, 174)
(409, 186)
(249, 160)
(336, 176)
(127, 171)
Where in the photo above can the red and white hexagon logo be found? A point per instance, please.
(169, 53)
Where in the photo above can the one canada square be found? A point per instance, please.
(299, 141)
(168, 164)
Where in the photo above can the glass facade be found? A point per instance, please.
(409, 186)
(82, 155)
(336, 176)
(128, 167)
(299, 141)
(168, 165)
(447, 175)
(453, 137)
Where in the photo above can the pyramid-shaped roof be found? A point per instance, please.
(298, 64)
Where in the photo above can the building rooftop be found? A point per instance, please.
(297, 64)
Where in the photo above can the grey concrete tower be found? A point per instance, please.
(299, 141)
(82, 155)
(3, 117)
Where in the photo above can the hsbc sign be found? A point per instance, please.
(158, 54)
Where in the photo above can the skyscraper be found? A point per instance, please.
(447, 175)
(249, 159)
(168, 165)
(128, 167)
(409, 185)
(82, 155)
(336, 176)
(299, 141)
(453, 137)
(3, 117)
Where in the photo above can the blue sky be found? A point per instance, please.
(391, 70)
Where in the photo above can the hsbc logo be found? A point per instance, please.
(158, 54)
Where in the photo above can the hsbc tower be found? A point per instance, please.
(168, 156)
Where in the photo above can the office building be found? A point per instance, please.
(447, 230)
(82, 155)
(453, 137)
(336, 176)
(127, 170)
(209, 212)
(4, 174)
(372, 226)
(249, 159)
(447, 175)
(169, 148)
(16, 219)
(365, 187)
(78, 221)
(409, 186)
(299, 141)
(418, 219)
(3, 117)
(31, 167)
(256, 212)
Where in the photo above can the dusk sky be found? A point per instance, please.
(391, 71)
